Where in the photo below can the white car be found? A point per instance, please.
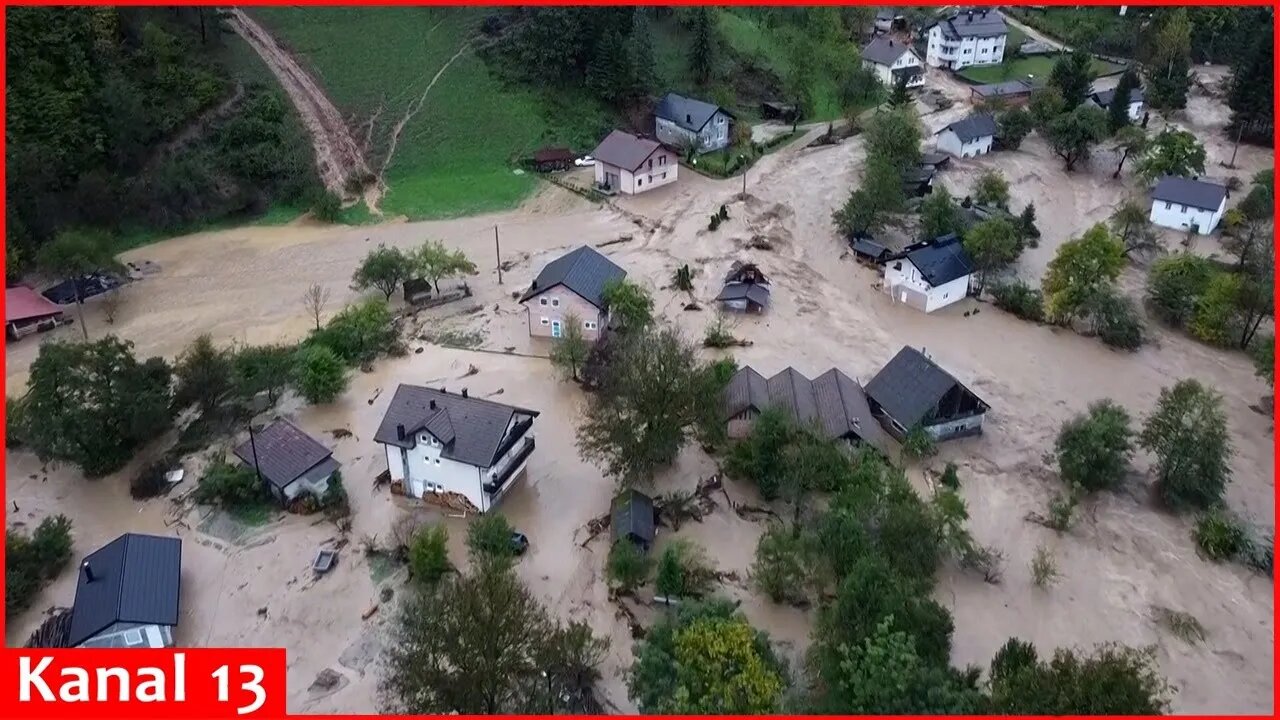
(585, 161)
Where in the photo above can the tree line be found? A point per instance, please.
(132, 119)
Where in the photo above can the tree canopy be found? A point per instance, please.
(1172, 152)
(1187, 432)
(1081, 267)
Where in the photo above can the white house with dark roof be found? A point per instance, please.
(1184, 203)
(970, 37)
(289, 461)
(833, 403)
(970, 137)
(630, 164)
(912, 390)
(462, 451)
(571, 285)
(1103, 99)
(929, 276)
(892, 60)
(127, 594)
(680, 121)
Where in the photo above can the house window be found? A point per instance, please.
(1183, 208)
(664, 176)
(555, 302)
(544, 321)
(662, 159)
(132, 637)
(639, 182)
(650, 163)
(1168, 206)
(437, 462)
(542, 302)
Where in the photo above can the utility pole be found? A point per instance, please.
(1236, 149)
(497, 249)
(253, 445)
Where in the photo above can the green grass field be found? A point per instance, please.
(1038, 66)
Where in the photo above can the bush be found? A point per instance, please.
(358, 334)
(429, 555)
(1220, 536)
(489, 538)
(779, 569)
(719, 334)
(1044, 568)
(684, 571)
(334, 498)
(1115, 320)
(1020, 299)
(1093, 449)
(229, 486)
(950, 478)
(32, 560)
(1175, 284)
(327, 207)
(918, 443)
(627, 567)
(319, 375)
(14, 422)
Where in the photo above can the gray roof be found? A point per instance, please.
(624, 150)
(973, 127)
(1193, 193)
(689, 113)
(136, 579)
(833, 401)
(584, 271)
(472, 430)
(870, 248)
(633, 517)
(884, 50)
(910, 386)
(1004, 89)
(755, 292)
(975, 22)
(1103, 98)
(942, 261)
(285, 453)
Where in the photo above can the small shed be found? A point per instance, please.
(634, 518)
(553, 158)
(867, 251)
(935, 160)
(918, 181)
(289, 461)
(778, 111)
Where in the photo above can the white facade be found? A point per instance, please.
(423, 469)
(1180, 217)
(965, 51)
(908, 59)
(904, 283)
(949, 142)
(131, 635)
(713, 136)
(660, 169)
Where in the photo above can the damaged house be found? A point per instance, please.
(833, 403)
(746, 289)
(452, 449)
(911, 389)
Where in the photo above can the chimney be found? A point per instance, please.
(464, 392)
(688, 119)
(399, 432)
(970, 16)
(433, 405)
(88, 571)
(984, 12)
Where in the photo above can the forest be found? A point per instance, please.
(140, 120)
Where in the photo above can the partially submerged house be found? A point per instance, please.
(289, 461)
(454, 449)
(746, 289)
(893, 61)
(127, 594)
(1188, 204)
(917, 181)
(1009, 92)
(630, 164)
(833, 404)
(969, 137)
(27, 311)
(633, 518)
(930, 276)
(1103, 99)
(968, 37)
(682, 121)
(912, 390)
(572, 284)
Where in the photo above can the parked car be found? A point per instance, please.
(519, 543)
(585, 161)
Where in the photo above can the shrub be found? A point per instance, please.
(719, 334)
(1175, 284)
(1020, 299)
(14, 422)
(32, 560)
(779, 569)
(950, 479)
(358, 334)
(327, 207)
(489, 538)
(1115, 320)
(1093, 449)
(429, 555)
(627, 567)
(229, 486)
(684, 571)
(334, 498)
(1220, 536)
(319, 375)
(918, 443)
(1044, 567)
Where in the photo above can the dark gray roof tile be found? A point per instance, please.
(942, 261)
(909, 386)
(689, 113)
(973, 127)
(975, 22)
(584, 271)
(285, 453)
(1194, 193)
(470, 429)
(136, 579)
(884, 50)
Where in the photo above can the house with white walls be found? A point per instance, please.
(127, 594)
(452, 449)
(970, 137)
(571, 286)
(630, 164)
(929, 275)
(681, 121)
(1103, 98)
(970, 37)
(893, 61)
(1186, 203)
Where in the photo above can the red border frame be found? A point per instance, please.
(15, 712)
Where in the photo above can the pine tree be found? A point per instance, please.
(1249, 97)
(702, 52)
(640, 54)
(1169, 72)
(610, 76)
(1118, 111)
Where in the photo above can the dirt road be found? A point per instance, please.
(340, 160)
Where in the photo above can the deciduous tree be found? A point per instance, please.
(1071, 76)
(991, 189)
(1093, 449)
(1012, 126)
(1131, 141)
(1187, 432)
(993, 244)
(1072, 135)
(436, 262)
(1168, 71)
(1111, 680)
(570, 350)
(204, 374)
(262, 368)
(384, 268)
(939, 214)
(1080, 268)
(319, 374)
(628, 305)
(1175, 285)
(75, 254)
(1172, 152)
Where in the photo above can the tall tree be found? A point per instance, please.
(1046, 104)
(1071, 76)
(939, 214)
(1093, 449)
(610, 75)
(384, 268)
(570, 351)
(1250, 92)
(1187, 432)
(1172, 152)
(74, 255)
(1080, 269)
(993, 244)
(1169, 71)
(1012, 127)
(702, 49)
(94, 405)
(1073, 134)
(1118, 110)
(640, 54)
(628, 304)
(436, 262)
(1131, 222)
(991, 189)
(204, 375)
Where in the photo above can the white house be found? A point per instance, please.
(1181, 203)
(886, 17)
(970, 37)
(630, 164)
(930, 276)
(572, 285)
(1137, 105)
(462, 451)
(969, 137)
(680, 120)
(127, 594)
(892, 59)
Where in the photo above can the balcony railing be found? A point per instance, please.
(496, 483)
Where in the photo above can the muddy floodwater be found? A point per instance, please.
(1123, 558)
